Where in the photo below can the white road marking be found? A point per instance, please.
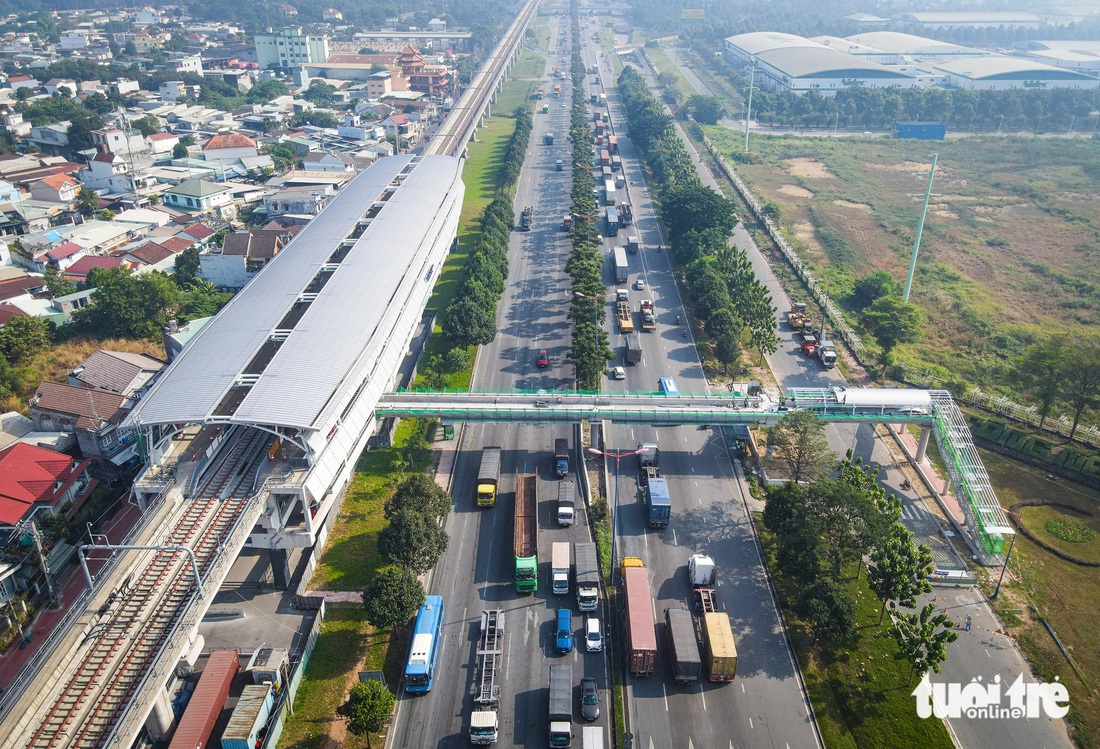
(664, 693)
(750, 723)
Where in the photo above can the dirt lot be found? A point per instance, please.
(1009, 249)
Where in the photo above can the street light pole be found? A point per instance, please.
(748, 106)
(618, 456)
(1004, 567)
(920, 229)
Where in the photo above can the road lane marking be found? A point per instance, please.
(664, 693)
(674, 543)
(750, 723)
(703, 696)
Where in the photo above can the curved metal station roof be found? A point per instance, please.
(283, 351)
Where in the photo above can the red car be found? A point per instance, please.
(544, 359)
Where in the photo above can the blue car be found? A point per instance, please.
(564, 637)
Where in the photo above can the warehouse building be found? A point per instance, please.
(971, 19)
(1000, 73)
(1079, 55)
(785, 62)
(914, 47)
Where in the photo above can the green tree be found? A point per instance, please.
(319, 93)
(419, 494)
(893, 321)
(728, 349)
(706, 110)
(22, 337)
(922, 638)
(128, 306)
(179, 151)
(799, 442)
(87, 202)
(81, 125)
(470, 323)
(148, 125)
(872, 287)
(188, 267)
(367, 709)
(1082, 379)
(412, 541)
(57, 284)
(830, 610)
(899, 570)
(265, 91)
(392, 597)
(107, 215)
(1038, 373)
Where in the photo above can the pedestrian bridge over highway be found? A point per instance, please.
(935, 411)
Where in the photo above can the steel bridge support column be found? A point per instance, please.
(922, 446)
(280, 568)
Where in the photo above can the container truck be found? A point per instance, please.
(658, 503)
(587, 576)
(559, 568)
(612, 223)
(719, 647)
(641, 635)
(591, 737)
(566, 505)
(609, 192)
(488, 476)
(561, 705)
(701, 571)
(526, 541)
(561, 458)
(683, 647)
(633, 348)
(490, 657)
(207, 701)
(631, 241)
(622, 270)
(605, 158)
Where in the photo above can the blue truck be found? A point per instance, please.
(658, 502)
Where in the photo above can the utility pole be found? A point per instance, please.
(748, 107)
(920, 225)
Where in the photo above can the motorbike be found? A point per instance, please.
(677, 319)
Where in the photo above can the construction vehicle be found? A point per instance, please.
(808, 327)
(561, 457)
(488, 476)
(559, 568)
(626, 214)
(561, 705)
(649, 318)
(526, 539)
(625, 316)
(796, 318)
(633, 348)
(490, 657)
(526, 217)
(566, 506)
(809, 344)
(587, 576)
(827, 354)
(719, 647)
(683, 647)
(641, 635)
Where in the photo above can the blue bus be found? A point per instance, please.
(427, 633)
(668, 386)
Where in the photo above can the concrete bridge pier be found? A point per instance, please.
(922, 445)
(280, 568)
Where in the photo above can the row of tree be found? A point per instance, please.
(470, 318)
(590, 348)
(1061, 372)
(829, 523)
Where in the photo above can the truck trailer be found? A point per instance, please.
(633, 348)
(641, 635)
(561, 458)
(488, 477)
(622, 269)
(625, 317)
(567, 509)
(612, 217)
(587, 576)
(490, 657)
(683, 647)
(561, 705)
(526, 540)
(649, 316)
(559, 568)
(720, 648)
(658, 503)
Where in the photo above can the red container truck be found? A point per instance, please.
(207, 701)
(641, 635)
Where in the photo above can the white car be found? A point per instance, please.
(639, 285)
(618, 373)
(593, 637)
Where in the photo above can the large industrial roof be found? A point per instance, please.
(763, 41)
(287, 344)
(798, 57)
(964, 18)
(1015, 68)
(910, 44)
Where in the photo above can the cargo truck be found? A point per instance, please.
(631, 241)
(566, 505)
(809, 344)
(613, 144)
(548, 139)
(605, 158)
(540, 94)
(828, 354)
(526, 540)
(719, 647)
(561, 705)
(625, 317)
(649, 317)
(626, 214)
(641, 635)
(490, 657)
(612, 223)
(561, 458)
(683, 647)
(587, 576)
(633, 348)
(567, 222)
(616, 163)
(559, 568)
(557, 90)
(701, 571)
(609, 192)
(658, 503)
(488, 477)
(526, 217)
(591, 737)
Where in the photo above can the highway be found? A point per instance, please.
(765, 705)
(476, 572)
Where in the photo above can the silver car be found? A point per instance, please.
(590, 699)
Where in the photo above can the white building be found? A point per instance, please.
(108, 171)
(115, 139)
(972, 19)
(290, 48)
(1000, 73)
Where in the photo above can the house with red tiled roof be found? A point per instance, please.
(64, 255)
(163, 142)
(149, 253)
(34, 479)
(116, 371)
(229, 147)
(78, 271)
(56, 188)
(200, 232)
(91, 415)
(22, 81)
(177, 243)
(7, 312)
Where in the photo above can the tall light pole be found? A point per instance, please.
(748, 106)
(920, 229)
(617, 456)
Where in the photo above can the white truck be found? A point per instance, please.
(490, 657)
(701, 571)
(566, 508)
(591, 737)
(559, 568)
(587, 576)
